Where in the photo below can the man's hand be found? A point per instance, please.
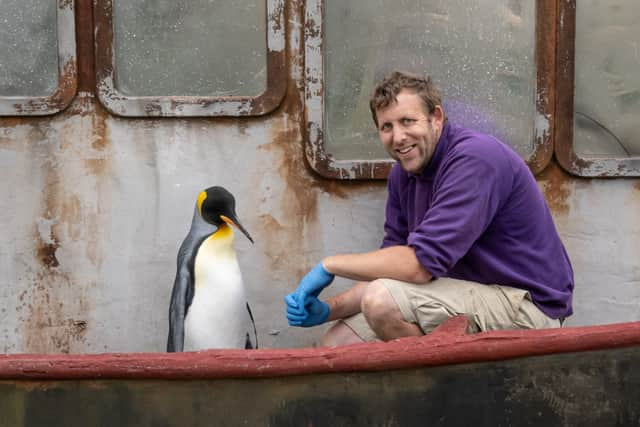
(303, 306)
(316, 312)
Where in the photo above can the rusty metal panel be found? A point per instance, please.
(184, 106)
(67, 72)
(93, 208)
(565, 148)
(326, 165)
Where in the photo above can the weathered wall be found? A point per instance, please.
(94, 207)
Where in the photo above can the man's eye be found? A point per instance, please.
(385, 126)
(407, 121)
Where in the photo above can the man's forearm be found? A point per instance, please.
(395, 262)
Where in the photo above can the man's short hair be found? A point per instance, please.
(387, 90)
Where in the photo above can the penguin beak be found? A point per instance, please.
(235, 223)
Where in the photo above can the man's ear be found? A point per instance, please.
(438, 115)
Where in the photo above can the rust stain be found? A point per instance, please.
(299, 204)
(47, 246)
(99, 166)
(637, 186)
(99, 119)
(71, 215)
(278, 247)
(10, 122)
(41, 310)
(50, 309)
(555, 184)
(96, 167)
(47, 254)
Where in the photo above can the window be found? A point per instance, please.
(39, 38)
(190, 57)
(599, 88)
(486, 57)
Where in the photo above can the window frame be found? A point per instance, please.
(189, 106)
(567, 157)
(323, 163)
(67, 73)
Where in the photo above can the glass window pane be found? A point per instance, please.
(480, 54)
(190, 47)
(607, 79)
(28, 48)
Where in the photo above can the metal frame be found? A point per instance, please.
(564, 148)
(67, 73)
(325, 165)
(188, 106)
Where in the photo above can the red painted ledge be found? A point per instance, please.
(449, 344)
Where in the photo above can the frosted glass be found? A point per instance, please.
(28, 48)
(481, 55)
(190, 47)
(607, 78)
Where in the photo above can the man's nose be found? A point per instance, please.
(399, 134)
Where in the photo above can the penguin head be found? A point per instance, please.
(217, 206)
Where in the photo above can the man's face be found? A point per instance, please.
(408, 132)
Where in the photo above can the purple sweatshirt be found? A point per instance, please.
(476, 213)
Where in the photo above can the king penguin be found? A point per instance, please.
(208, 304)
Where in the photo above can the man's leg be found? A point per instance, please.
(488, 307)
(380, 318)
(346, 306)
(339, 334)
(393, 309)
(384, 316)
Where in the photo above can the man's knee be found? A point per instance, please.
(377, 301)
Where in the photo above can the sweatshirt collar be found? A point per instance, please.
(429, 172)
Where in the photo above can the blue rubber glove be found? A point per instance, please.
(303, 306)
(313, 283)
(316, 312)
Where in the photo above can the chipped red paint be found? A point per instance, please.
(445, 346)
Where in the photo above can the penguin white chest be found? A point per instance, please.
(217, 314)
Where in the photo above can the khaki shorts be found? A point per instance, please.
(488, 307)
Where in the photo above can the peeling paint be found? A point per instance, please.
(48, 243)
(65, 4)
(542, 125)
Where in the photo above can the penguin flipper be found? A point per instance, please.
(181, 296)
(248, 344)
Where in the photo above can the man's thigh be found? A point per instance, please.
(488, 307)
